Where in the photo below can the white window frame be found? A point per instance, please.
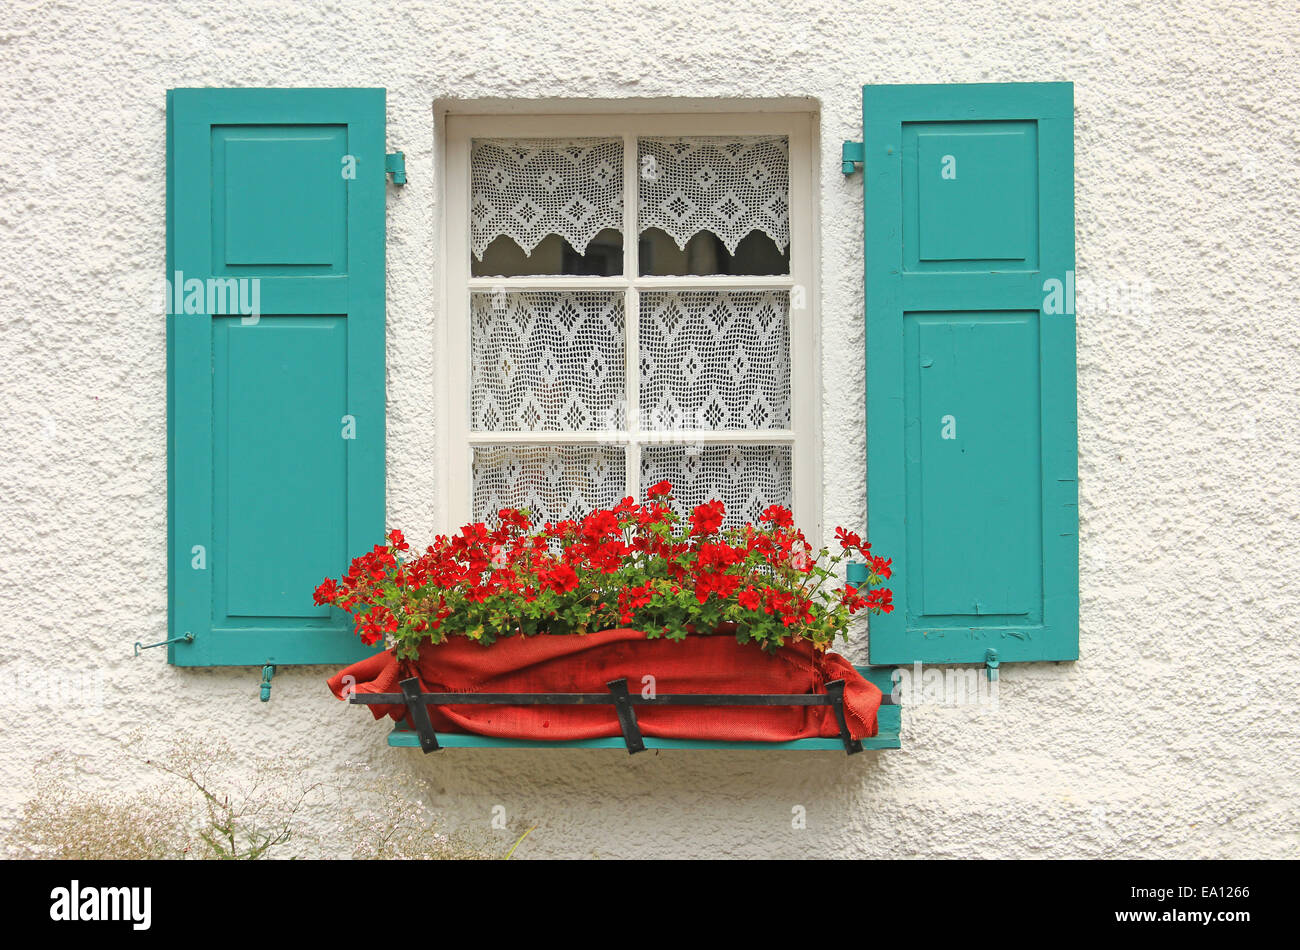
(456, 437)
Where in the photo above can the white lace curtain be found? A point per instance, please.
(715, 359)
(547, 361)
(555, 361)
(745, 478)
(554, 482)
(527, 189)
(569, 481)
(731, 186)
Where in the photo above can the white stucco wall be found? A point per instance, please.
(1174, 735)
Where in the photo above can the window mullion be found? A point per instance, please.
(631, 317)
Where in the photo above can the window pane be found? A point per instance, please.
(554, 482)
(553, 255)
(745, 478)
(541, 204)
(730, 187)
(715, 359)
(756, 256)
(546, 361)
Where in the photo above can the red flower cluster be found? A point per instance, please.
(852, 543)
(635, 565)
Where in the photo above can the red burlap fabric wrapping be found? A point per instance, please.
(584, 664)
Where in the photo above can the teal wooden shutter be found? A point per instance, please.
(275, 201)
(971, 431)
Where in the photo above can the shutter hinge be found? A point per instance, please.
(395, 165)
(267, 672)
(991, 664)
(852, 155)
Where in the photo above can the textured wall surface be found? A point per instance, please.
(1174, 735)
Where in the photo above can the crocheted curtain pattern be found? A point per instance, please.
(527, 189)
(715, 359)
(746, 478)
(546, 360)
(731, 186)
(553, 482)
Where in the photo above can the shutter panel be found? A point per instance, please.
(276, 418)
(971, 425)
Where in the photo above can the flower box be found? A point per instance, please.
(586, 663)
(620, 595)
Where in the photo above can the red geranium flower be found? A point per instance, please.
(778, 515)
(561, 580)
(599, 525)
(707, 518)
(849, 540)
(659, 490)
(635, 565)
(326, 592)
(715, 583)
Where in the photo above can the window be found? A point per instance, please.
(629, 299)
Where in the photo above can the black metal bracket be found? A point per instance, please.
(417, 705)
(418, 709)
(835, 695)
(626, 716)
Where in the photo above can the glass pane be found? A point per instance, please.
(756, 256)
(554, 482)
(728, 187)
(566, 194)
(745, 478)
(546, 361)
(553, 255)
(715, 359)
